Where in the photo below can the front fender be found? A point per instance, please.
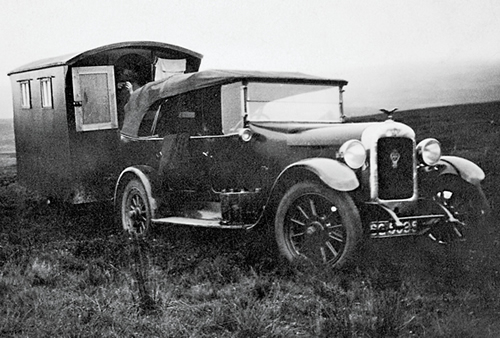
(467, 170)
(334, 174)
(146, 175)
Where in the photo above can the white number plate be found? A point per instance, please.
(382, 229)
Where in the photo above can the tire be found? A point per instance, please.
(136, 222)
(316, 224)
(135, 209)
(465, 202)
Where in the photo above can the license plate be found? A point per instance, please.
(381, 229)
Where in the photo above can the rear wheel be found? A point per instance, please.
(319, 225)
(135, 208)
(136, 221)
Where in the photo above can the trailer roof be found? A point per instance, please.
(71, 59)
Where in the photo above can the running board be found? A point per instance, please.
(196, 222)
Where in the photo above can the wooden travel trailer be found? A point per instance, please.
(67, 115)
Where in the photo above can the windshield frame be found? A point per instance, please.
(235, 109)
(249, 95)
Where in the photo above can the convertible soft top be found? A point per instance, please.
(143, 98)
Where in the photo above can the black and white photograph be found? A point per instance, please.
(250, 168)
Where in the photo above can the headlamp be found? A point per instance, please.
(429, 151)
(353, 153)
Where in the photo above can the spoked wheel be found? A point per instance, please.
(136, 222)
(464, 203)
(135, 209)
(317, 224)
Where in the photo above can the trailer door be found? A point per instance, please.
(94, 98)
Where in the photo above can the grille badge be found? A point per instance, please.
(395, 156)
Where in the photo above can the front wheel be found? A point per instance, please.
(466, 204)
(319, 225)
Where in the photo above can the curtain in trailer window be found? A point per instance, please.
(165, 67)
(25, 94)
(46, 92)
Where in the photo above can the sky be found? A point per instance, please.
(356, 40)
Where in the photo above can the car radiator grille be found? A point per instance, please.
(395, 168)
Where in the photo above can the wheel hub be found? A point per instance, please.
(314, 227)
(316, 233)
(135, 213)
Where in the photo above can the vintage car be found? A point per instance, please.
(242, 150)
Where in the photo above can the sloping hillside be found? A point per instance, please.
(6, 136)
(7, 148)
(471, 128)
(422, 85)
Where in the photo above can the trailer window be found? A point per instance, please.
(46, 92)
(167, 67)
(25, 94)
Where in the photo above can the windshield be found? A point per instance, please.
(293, 102)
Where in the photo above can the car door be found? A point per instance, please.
(234, 165)
(184, 160)
(197, 155)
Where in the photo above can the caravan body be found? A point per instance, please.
(67, 116)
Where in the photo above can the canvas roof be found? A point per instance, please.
(142, 99)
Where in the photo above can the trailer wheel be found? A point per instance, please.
(316, 224)
(135, 208)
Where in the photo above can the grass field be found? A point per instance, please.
(71, 273)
